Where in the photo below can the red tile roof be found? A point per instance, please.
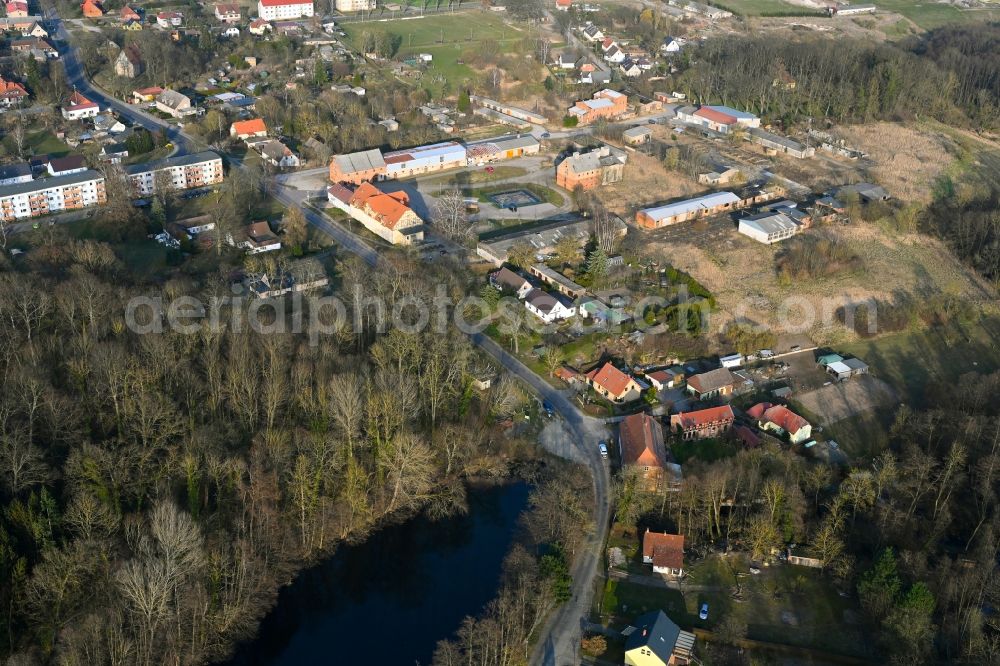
(704, 417)
(129, 14)
(715, 116)
(252, 126)
(613, 380)
(78, 101)
(12, 89)
(666, 550)
(747, 436)
(785, 419)
(758, 410)
(642, 441)
(388, 209)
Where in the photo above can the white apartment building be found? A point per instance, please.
(355, 5)
(275, 10)
(51, 195)
(186, 172)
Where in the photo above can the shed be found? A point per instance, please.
(839, 369)
(827, 359)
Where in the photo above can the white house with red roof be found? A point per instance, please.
(276, 10)
(614, 384)
(78, 107)
(12, 93)
(563, 5)
(780, 420)
(664, 551)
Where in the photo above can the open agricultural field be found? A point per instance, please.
(451, 39)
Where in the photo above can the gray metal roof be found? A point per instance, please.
(49, 183)
(655, 631)
(691, 205)
(366, 160)
(770, 223)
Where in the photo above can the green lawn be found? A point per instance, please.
(449, 38)
(912, 362)
(38, 143)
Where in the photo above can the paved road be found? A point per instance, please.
(76, 77)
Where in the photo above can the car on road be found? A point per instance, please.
(703, 613)
(545, 135)
(652, 121)
(547, 406)
(603, 448)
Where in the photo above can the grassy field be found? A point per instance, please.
(449, 38)
(929, 15)
(764, 8)
(38, 143)
(912, 362)
(784, 604)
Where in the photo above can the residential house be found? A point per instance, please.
(114, 152)
(769, 228)
(191, 228)
(566, 61)
(689, 209)
(78, 107)
(654, 640)
(129, 13)
(387, 215)
(246, 129)
(640, 444)
(16, 9)
(92, 9)
(51, 195)
(722, 119)
(129, 62)
(12, 93)
(594, 168)
(563, 5)
(781, 420)
(146, 94)
(174, 104)
(615, 55)
(607, 104)
(548, 307)
(636, 136)
(259, 27)
(598, 78)
(12, 174)
(592, 33)
(630, 68)
(703, 423)
(671, 45)
(278, 155)
(180, 173)
(132, 26)
(231, 32)
(613, 384)
(710, 384)
(37, 30)
(275, 10)
(665, 552)
(169, 19)
(666, 378)
(64, 166)
(258, 238)
(507, 280)
(607, 44)
(228, 12)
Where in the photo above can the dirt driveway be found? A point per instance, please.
(841, 400)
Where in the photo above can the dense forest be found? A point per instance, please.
(157, 489)
(914, 531)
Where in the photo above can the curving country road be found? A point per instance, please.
(560, 639)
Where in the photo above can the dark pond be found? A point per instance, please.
(390, 600)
